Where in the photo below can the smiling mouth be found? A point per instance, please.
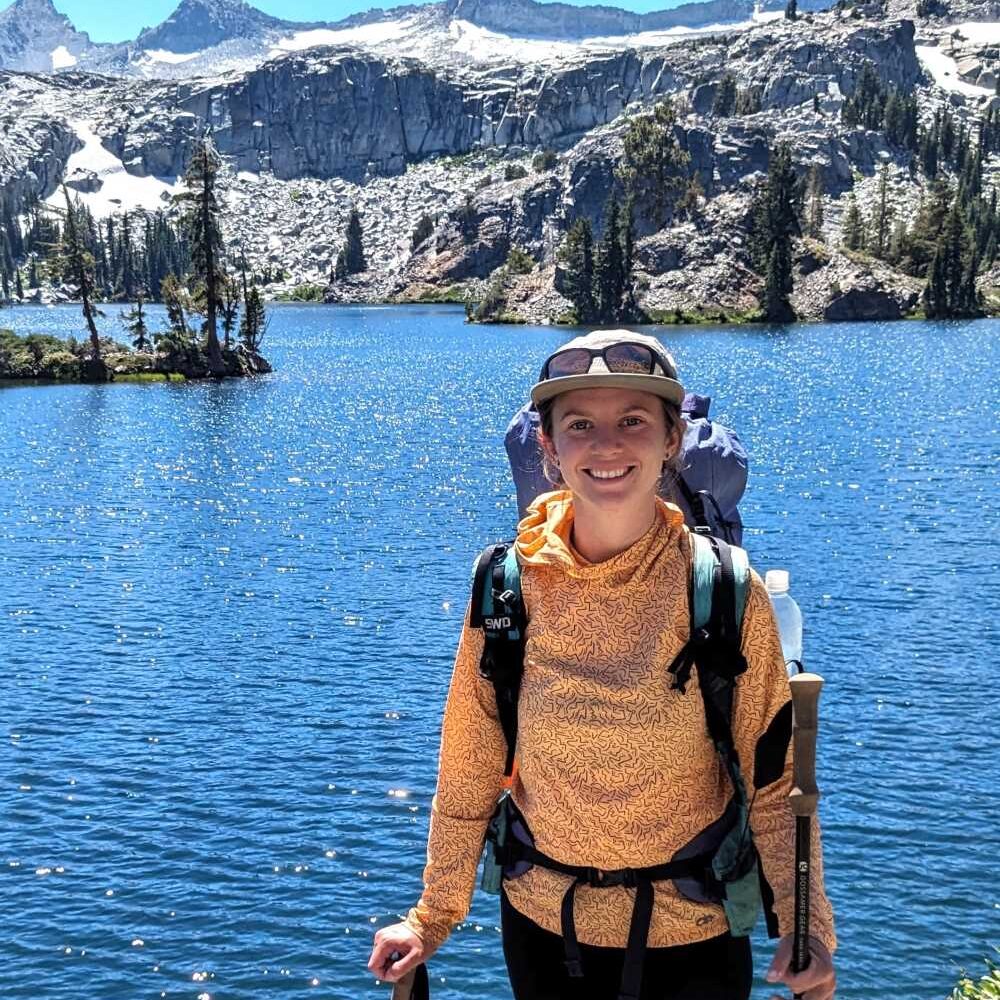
(609, 475)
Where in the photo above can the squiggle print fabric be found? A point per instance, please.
(615, 768)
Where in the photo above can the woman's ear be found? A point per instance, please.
(550, 460)
(675, 438)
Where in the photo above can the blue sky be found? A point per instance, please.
(118, 20)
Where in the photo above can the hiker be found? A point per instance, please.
(646, 759)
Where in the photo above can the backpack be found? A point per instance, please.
(721, 863)
(708, 489)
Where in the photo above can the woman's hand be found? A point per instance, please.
(817, 981)
(396, 939)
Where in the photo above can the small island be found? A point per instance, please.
(195, 283)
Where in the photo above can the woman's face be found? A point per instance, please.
(610, 444)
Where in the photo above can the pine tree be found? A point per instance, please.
(814, 203)
(78, 263)
(229, 306)
(351, 258)
(201, 217)
(881, 218)
(33, 281)
(609, 269)
(950, 290)
(852, 234)
(928, 224)
(626, 240)
(653, 166)
(725, 97)
(135, 322)
(774, 224)
(177, 302)
(898, 242)
(254, 323)
(353, 244)
(18, 286)
(577, 259)
(792, 10)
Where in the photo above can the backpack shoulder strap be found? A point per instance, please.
(719, 581)
(498, 609)
(717, 564)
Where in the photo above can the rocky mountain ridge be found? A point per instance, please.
(307, 136)
(209, 37)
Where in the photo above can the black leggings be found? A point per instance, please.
(718, 969)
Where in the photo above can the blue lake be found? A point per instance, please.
(228, 614)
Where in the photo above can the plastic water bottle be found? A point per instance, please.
(788, 617)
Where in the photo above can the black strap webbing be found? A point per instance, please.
(503, 656)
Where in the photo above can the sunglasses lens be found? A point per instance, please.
(630, 359)
(575, 361)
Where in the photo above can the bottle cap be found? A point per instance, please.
(776, 581)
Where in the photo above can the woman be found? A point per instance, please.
(615, 767)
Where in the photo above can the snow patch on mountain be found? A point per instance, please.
(62, 58)
(944, 70)
(457, 41)
(165, 56)
(979, 32)
(363, 34)
(99, 179)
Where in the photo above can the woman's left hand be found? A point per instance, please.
(817, 981)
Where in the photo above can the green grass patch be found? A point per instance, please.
(449, 295)
(700, 316)
(302, 293)
(151, 377)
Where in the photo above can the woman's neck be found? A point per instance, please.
(601, 534)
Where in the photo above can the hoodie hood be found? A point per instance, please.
(543, 539)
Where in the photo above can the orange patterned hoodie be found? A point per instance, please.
(615, 767)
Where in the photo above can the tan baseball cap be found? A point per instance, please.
(650, 370)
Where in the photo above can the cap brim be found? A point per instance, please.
(659, 385)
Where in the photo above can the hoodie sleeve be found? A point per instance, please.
(762, 728)
(470, 771)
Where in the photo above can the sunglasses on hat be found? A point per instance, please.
(623, 358)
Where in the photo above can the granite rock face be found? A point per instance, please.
(335, 113)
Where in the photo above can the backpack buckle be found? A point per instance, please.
(600, 879)
(504, 598)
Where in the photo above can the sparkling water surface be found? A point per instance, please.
(228, 614)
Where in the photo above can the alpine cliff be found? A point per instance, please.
(471, 136)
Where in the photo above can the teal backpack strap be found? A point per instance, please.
(720, 575)
(498, 609)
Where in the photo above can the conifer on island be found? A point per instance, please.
(201, 216)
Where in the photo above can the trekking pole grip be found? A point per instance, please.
(802, 802)
(804, 796)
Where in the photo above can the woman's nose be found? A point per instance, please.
(608, 439)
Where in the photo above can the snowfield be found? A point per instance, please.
(62, 58)
(164, 56)
(119, 191)
(980, 32)
(945, 73)
(469, 43)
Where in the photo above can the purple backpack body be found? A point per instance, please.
(713, 474)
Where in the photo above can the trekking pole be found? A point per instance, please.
(413, 986)
(802, 800)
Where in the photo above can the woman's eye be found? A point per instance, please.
(579, 425)
(633, 421)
